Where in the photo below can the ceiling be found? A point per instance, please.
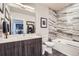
(54, 6)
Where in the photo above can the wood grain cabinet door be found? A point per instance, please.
(38, 47)
(34, 47)
(24, 48)
(13, 49)
(1, 49)
(30, 48)
(18, 48)
(9, 49)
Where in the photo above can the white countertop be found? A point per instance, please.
(13, 38)
(64, 41)
(67, 47)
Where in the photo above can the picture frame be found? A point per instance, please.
(19, 28)
(43, 22)
(30, 27)
(2, 7)
(30, 22)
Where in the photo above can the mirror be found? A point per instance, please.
(20, 14)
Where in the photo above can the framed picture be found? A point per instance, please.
(1, 7)
(30, 27)
(43, 22)
(19, 28)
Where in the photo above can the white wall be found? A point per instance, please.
(41, 11)
(70, 24)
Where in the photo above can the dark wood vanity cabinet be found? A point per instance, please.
(1, 49)
(11, 49)
(32, 47)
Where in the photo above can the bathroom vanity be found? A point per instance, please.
(28, 45)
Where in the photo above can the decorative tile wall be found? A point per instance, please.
(66, 25)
